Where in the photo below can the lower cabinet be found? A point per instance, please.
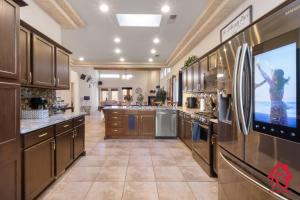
(78, 140)
(64, 151)
(180, 126)
(188, 133)
(38, 167)
(147, 124)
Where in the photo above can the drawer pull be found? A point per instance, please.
(115, 130)
(115, 117)
(65, 126)
(43, 135)
(115, 112)
(115, 124)
(80, 120)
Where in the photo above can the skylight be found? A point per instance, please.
(139, 20)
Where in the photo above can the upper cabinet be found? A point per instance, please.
(196, 77)
(62, 69)
(190, 79)
(43, 62)
(24, 52)
(9, 26)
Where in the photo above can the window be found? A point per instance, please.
(114, 94)
(104, 94)
(127, 91)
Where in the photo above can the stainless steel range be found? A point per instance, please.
(203, 142)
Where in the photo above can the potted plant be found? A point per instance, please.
(140, 99)
(161, 96)
(128, 98)
(190, 60)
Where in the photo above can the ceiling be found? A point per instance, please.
(95, 42)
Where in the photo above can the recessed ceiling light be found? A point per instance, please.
(153, 51)
(117, 50)
(139, 20)
(150, 59)
(122, 59)
(117, 40)
(104, 8)
(81, 58)
(165, 9)
(156, 40)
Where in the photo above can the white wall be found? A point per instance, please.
(84, 88)
(213, 39)
(40, 20)
(147, 80)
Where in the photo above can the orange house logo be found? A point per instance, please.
(280, 177)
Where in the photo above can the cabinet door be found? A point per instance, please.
(43, 62)
(9, 141)
(9, 34)
(184, 79)
(147, 125)
(64, 151)
(196, 76)
(181, 127)
(190, 79)
(24, 49)
(188, 133)
(131, 125)
(79, 140)
(62, 69)
(38, 167)
(203, 72)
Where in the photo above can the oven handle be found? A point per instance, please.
(234, 87)
(251, 179)
(245, 52)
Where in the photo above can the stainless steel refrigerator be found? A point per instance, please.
(259, 109)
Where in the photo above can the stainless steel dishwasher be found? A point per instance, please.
(166, 123)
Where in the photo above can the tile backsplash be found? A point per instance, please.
(28, 93)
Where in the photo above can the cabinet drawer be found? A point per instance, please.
(64, 126)
(115, 118)
(78, 121)
(181, 114)
(147, 112)
(187, 117)
(115, 124)
(38, 136)
(116, 131)
(116, 112)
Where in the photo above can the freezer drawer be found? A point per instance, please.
(236, 184)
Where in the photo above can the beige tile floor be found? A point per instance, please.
(132, 170)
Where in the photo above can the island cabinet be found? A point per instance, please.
(47, 153)
(129, 123)
(43, 62)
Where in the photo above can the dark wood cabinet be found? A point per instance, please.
(43, 62)
(181, 125)
(9, 34)
(9, 141)
(184, 79)
(38, 167)
(196, 77)
(24, 52)
(62, 69)
(190, 79)
(147, 123)
(203, 73)
(79, 140)
(188, 131)
(64, 151)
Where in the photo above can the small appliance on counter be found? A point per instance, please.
(191, 102)
(37, 109)
(59, 106)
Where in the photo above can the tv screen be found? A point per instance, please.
(275, 86)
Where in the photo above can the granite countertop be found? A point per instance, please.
(136, 108)
(29, 125)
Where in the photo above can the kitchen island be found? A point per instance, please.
(129, 122)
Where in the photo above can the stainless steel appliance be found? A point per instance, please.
(203, 145)
(166, 123)
(259, 110)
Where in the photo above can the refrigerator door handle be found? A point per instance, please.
(251, 179)
(234, 87)
(245, 55)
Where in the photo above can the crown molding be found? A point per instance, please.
(214, 14)
(62, 12)
(116, 65)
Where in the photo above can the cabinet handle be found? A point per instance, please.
(54, 80)
(115, 117)
(115, 124)
(115, 130)
(43, 135)
(53, 145)
(65, 126)
(57, 81)
(80, 120)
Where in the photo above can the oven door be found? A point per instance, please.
(201, 145)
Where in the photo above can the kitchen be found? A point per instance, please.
(216, 118)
